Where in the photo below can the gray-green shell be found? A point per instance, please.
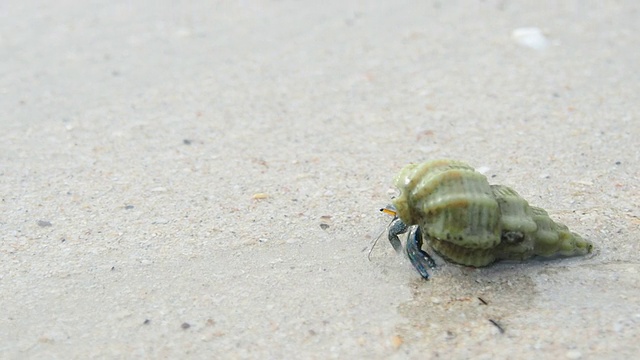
(470, 222)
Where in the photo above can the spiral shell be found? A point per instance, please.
(470, 222)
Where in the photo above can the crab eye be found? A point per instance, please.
(389, 210)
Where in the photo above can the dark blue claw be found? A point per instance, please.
(397, 227)
(419, 258)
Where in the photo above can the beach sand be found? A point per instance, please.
(202, 180)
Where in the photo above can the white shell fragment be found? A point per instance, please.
(531, 37)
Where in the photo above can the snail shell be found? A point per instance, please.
(470, 222)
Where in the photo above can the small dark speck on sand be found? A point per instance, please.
(618, 163)
(146, 322)
(495, 323)
(324, 226)
(186, 142)
(128, 207)
(185, 326)
(44, 223)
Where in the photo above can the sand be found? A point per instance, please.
(202, 180)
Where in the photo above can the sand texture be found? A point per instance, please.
(202, 179)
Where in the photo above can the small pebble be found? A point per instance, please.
(185, 326)
(396, 341)
(260, 196)
(324, 226)
(44, 223)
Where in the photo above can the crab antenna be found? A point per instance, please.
(389, 210)
(375, 242)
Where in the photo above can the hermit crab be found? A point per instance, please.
(449, 206)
